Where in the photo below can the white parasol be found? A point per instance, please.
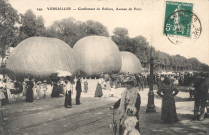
(62, 73)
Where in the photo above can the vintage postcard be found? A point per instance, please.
(104, 67)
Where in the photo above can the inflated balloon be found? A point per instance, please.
(97, 54)
(40, 57)
(130, 63)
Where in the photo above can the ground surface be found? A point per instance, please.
(93, 117)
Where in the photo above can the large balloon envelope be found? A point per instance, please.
(97, 54)
(130, 63)
(40, 57)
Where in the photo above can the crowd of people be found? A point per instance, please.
(129, 104)
(12, 90)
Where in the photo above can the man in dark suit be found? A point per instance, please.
(78, 91)
(201, 96)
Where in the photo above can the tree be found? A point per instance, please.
(29, 24)
(142, 49)
(40, 28)
(70, 30)
(194, 63)
(137, 45)
(8, 29)
(96, 28)
(121, 38)
(121, 32)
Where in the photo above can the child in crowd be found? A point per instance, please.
(130, 124)
(85, 86)
(38, 89)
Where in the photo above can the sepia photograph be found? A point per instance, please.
(104, 67)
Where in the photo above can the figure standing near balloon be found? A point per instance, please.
(68, 93)
(55, 90)
(78, 91)
(29, 92)
(98, 92)
(86, 86)
(45, 88)
(38, 89)
(61, 87)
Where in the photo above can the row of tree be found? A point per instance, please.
(16, 27)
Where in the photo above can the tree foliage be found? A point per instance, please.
(31, 25)
(8, 29)
(141, 48)
(137, 45)
(70, 30)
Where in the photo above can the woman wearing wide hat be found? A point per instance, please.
(129, 104)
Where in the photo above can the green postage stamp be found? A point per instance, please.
(177, 23)
(180, 22)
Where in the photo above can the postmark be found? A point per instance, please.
(181, 23)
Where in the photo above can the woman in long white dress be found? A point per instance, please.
(9, 86)
(38, 89)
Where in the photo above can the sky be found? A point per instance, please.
(147, 21)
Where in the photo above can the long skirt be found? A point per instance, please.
(85, 87)
(111, 83)
(29, 95)
(24, 90)
(68, 100)
(98, 92)
(38, 92)
(55, 91)
(168, 113)
(116, 84)
(61, 89)
(108, 87)
(78, 95)
(2, 96)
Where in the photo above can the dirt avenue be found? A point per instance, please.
(93, 116)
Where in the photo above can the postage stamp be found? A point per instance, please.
(180, 22)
